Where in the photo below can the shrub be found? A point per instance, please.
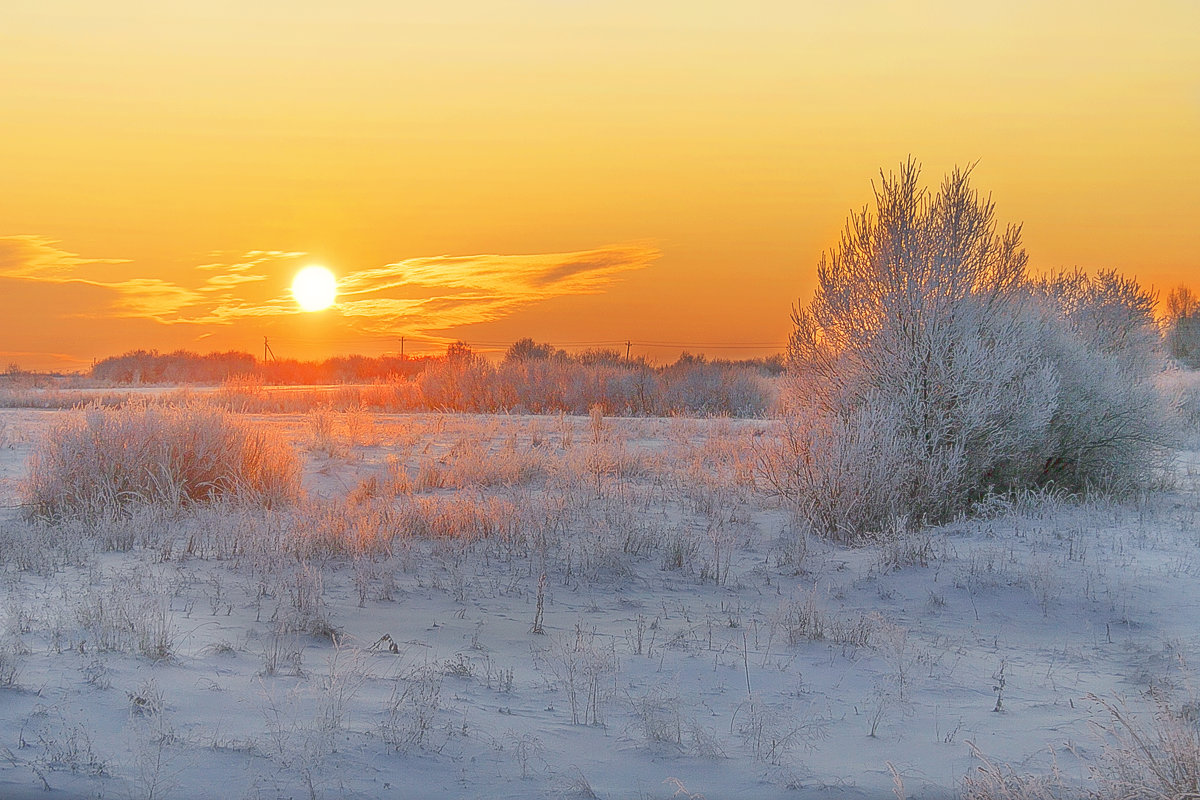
(1160, 758)
(928, 371)
(992, 781)
(99, 461)
(1183, 387)
(1109, 425)
(841, 472)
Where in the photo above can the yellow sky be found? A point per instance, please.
(569, 170)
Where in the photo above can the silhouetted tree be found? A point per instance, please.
(528, 350)
(1182, 326)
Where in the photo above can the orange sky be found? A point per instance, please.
(569, 170)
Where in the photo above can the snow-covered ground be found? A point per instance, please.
(379, 641)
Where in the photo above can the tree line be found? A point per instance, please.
(532, 377)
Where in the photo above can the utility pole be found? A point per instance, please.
(628, 344)
(401, 348)
(267, 351)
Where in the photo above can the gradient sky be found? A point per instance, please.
(663, 172)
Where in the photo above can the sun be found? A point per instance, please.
(315, 288)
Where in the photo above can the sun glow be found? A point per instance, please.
(315, 288)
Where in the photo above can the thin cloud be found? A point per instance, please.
(438, 293)
(64, 361)
(148, 297)
(221, 281)
(382, 308)
(38, 258)
(252, 260)
(482, 288)
(429, 295)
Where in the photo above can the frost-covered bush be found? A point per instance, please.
(695, 385)
(842, 472)
(929, 371)
(98, 461)
(1183, 387)
(462, 382)
(1155, 757)
(536, 380)
(1109, 427)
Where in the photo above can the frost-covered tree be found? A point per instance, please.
(1109, 426)
(527, 349)
(1182, 327)
(928, 370)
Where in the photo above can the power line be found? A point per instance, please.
(713, 346)
(494, 343)
(615, 343)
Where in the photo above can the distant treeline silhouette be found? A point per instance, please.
(184, 366)
(532, 377)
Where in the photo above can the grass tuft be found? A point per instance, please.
(99, 462)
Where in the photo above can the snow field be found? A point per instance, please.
(376, 639)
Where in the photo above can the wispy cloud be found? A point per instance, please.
(252, 260)
(431, 295)
(148, 297)
(39, 258)
(480, 288)
(217, 282)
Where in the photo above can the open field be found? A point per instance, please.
(524, 606)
